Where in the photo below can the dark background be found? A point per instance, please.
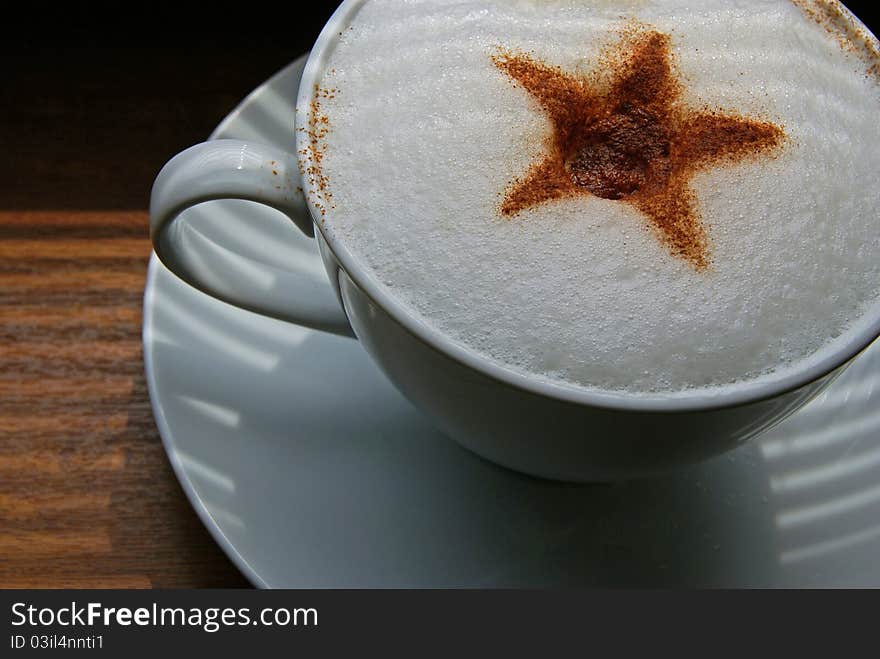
(96, 100)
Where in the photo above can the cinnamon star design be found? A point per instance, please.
(631, 139)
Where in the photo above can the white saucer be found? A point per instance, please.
(310, 470)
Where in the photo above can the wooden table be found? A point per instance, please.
(87, 496)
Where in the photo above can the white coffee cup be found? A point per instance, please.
(531, 425)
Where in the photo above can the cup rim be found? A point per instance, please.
(699, 400)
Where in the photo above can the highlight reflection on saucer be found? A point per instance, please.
(825, 470)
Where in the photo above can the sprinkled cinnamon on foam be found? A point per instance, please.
(427, 134)
(317, 131)
(631, 140)
(841, 26)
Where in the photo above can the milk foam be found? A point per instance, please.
(424, 135)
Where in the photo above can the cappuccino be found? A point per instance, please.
(650, 197)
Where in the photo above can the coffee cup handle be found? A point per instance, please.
(236, 169)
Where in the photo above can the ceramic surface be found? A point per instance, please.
(534, 425)
(311, 470)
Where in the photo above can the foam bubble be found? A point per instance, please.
(425, 134)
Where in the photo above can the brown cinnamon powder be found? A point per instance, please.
(317, 131)
(623, 134)
(845, 30)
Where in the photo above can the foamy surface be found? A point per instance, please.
(425, 134)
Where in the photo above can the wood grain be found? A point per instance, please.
(87, 498)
